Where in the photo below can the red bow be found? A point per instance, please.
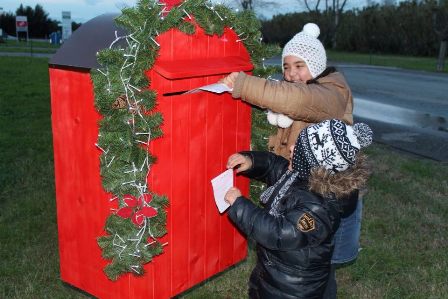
(137, 209)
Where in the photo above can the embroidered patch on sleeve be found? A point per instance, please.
(306, 223)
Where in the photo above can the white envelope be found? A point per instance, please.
(221, 184)
(216, 88)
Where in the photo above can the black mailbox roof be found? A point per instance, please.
(81, 48)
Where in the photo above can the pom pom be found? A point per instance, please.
(272, 118)
(284, 121)
(363, 133)
(311, 29)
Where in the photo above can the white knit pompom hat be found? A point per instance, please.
(306, 46)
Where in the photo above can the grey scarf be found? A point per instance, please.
(282, 185)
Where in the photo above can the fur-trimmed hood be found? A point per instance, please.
(340, 184)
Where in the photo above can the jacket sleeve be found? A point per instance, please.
(311, 103)
(281, 233)
(266, 167)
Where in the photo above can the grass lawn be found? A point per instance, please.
(405, 62)
(404, 229)
(24, 44)
(27, 47)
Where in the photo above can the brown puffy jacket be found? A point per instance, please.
(306, 104)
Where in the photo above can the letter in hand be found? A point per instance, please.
(232, 195)
(239, 162)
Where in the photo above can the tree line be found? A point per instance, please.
(39, 24)
(409, 28)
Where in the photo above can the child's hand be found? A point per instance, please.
(232, 195)
(229, 80)
(239, 161)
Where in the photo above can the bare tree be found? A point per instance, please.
(252, 4)
(246, 4)
(440, 24)
(311, 5)
(332, 9)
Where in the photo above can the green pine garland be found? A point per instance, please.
(126, 102)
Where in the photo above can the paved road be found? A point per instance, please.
(423, 94)
(406, 109)
(417, 90)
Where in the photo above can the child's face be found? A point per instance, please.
(295, 70)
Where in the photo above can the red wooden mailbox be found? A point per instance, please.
(200, 131)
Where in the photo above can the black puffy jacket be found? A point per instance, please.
(295, 248)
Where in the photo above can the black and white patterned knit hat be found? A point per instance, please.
(331, 144)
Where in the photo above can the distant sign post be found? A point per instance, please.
(66, 25)
(1, 30)
(21, 26)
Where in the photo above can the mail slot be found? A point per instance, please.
(200, 131)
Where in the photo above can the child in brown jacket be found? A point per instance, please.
(310, 93)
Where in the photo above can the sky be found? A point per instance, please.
(84, 10)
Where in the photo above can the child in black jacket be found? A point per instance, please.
(303, 204)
